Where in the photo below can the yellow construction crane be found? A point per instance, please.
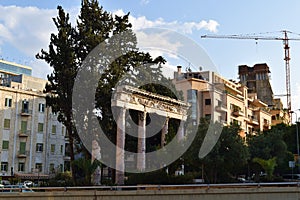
(286, 48)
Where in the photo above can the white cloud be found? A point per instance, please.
(168, 46)
(28, 29)
(183, 27)
(161, 39)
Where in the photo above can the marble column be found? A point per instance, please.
(96, 155)
(180, 133)
(120, 144)
(141, 156)
(164, 132)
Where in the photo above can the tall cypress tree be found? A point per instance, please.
(61, 57)
(67, 52)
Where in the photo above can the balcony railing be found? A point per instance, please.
(237, 113)
(23, 154)
(221, 108)
(67, 158)
(66, 138)
(24, 133)
(26, 112)
(253, 120)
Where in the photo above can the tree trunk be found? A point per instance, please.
(71, 143)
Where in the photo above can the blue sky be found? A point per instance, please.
(25, 27)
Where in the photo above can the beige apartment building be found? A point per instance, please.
(257, 79)
(220, 100)
(32, 140)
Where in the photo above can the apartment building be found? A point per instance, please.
(218, 99)
(32, 140)
(257, 79)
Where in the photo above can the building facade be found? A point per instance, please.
(257, 79)
(32, 140)
(221, 100)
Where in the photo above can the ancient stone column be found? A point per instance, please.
(141, 156)
(120, 144)
(180, 133)
(164, 132)
(96, 155)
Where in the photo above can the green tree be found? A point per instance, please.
(86, 167)
(61, 57)
(270, 144)
(227, 158)
(268, 165)
(68, 50)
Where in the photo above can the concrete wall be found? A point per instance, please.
(251, 193)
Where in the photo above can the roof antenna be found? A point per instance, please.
(188, 69)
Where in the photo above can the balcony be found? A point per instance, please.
(266, 125)
(26, 112)
(237, 113)
(66, 138)
(23, 154)
(224, 122)
(253, 120)
(67, 158)
(221, 108)
(24, 133)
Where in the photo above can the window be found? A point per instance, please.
(52, 148)
(208, 116)
(8, 102)
(23, 127)
(39, 166)
(5, 144)
(21, 167)
(39, 147)
(61, 168)
(4, 166)
(6, 123)
(22, 147)
(61, 149)
(67, 149)
(192, 99)
(207, 101)
(40, 127)
(62, 130)
(53, 129)
(220, 119)
(41, 107)
(235, 122)
(51, 168)
(25, 106)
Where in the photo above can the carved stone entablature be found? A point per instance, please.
(141, 100)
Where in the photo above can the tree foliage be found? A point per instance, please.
(68, 50)
(270, 144)
(61, 57)
(220, 165)
(268, 165)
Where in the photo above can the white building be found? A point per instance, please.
(32, 140)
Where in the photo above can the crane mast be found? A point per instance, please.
(287, 57)
(287, 73)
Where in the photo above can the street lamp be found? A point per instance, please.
(297, 135)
